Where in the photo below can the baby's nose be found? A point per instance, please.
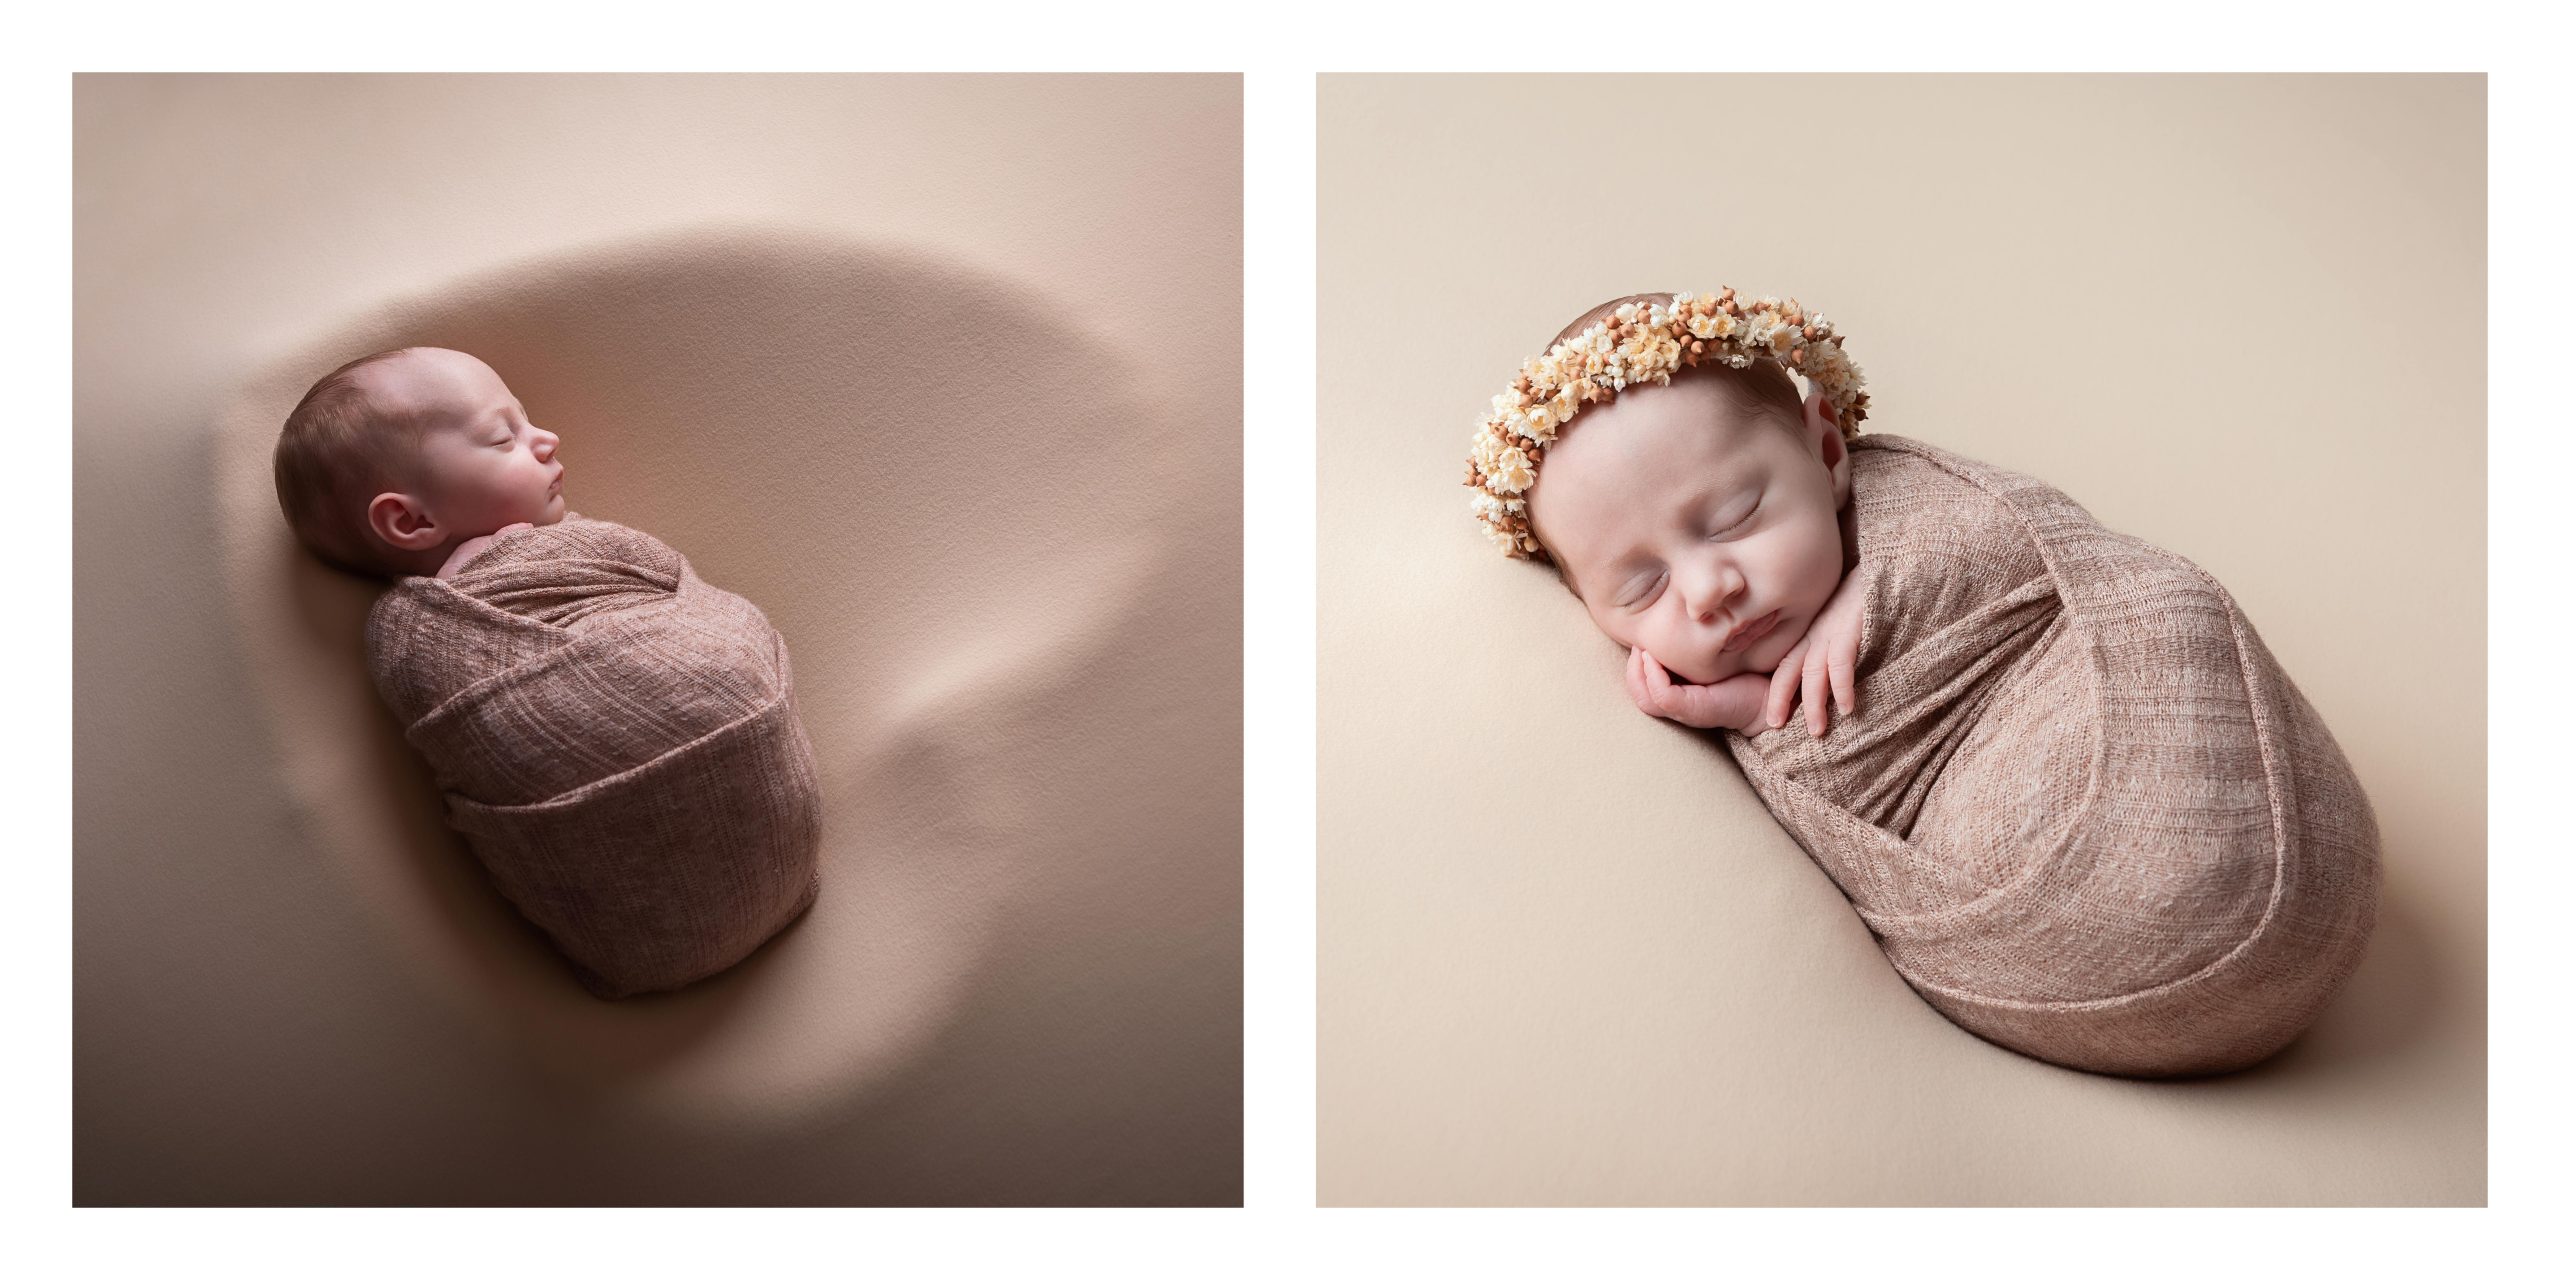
(1708, 590)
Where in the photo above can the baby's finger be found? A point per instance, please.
(1657, 682)
(1681, 702)
(1844, 664)
(1635, 682)
(1816, 710)
(1782, 685)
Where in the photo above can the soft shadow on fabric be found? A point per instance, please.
(946, 495)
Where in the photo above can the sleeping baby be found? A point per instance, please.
(615, 738)
(2078, 803)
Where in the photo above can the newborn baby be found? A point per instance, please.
(614, 737)
(2082, 809)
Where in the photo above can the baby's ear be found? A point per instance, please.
(402, 521)
(1822, 431)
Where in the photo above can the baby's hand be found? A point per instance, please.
(1826, 659)
(1731, 703)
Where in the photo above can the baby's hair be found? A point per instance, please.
(1764, 389)
(337, 450)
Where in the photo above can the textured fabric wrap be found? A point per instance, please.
(617, 741)
(2080, 806)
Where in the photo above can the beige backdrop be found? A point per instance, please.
(1566, 957)
(939, 371)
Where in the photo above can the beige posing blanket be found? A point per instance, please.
(2083, 810)
(617, 741)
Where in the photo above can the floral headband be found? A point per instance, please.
(1638, 343)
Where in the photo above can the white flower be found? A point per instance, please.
(1763, 323)
(1510, 472)
(1539, 423)
(1822, 362)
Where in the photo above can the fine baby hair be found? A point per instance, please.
(337, 449)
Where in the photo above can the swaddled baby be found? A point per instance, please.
(614, 737)
(2080, 806)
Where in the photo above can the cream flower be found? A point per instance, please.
(1822, 363)
(1763, 323)
(1510, 472)
(1539, 423)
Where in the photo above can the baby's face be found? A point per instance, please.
(481, 464)
(1684, 524)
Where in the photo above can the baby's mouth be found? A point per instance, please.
(1749, 633)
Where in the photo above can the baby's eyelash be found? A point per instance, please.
(1746, 517)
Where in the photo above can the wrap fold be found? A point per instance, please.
(2080, 806)
(616, 740)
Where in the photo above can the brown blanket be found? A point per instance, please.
(617, 741)
(2083, 810)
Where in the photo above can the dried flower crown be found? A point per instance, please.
(1638, 343)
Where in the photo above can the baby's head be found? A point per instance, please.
(394, 458)
(1687, 512)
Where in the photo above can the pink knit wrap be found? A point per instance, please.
(617, 741)
(2081, 807)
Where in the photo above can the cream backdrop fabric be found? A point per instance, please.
(1565, 955)
(940, 372)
